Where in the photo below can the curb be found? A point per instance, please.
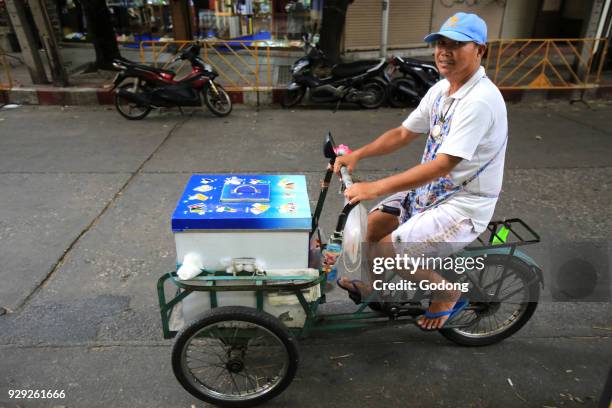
(253, 97)
(102, 96)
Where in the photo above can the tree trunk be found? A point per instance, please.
(101, 32)
(332, 27)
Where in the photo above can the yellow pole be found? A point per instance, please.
(7, 70)
(142, 58)
(501, 43)
(545, 56)
(257, 67)
(591, 58)
(270, 68)
(601, 61)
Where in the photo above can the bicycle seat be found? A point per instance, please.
(354, 68)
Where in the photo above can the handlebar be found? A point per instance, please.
(346, 177)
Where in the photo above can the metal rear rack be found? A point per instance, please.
(507, 233)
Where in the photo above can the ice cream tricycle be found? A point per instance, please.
(245, 289)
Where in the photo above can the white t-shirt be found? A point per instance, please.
(478, 130)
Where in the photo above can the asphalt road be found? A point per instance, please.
(85, 204)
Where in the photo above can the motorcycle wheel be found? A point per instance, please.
(292, 97)
(219, 102)
(128, 109)
(379, 94)
(399, 99)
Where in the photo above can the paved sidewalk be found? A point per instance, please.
(85, 233)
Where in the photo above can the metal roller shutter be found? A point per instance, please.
(409, 22)
(363, 25)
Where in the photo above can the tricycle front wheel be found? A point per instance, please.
(235, 357)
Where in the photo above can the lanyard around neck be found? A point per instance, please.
(443, 117)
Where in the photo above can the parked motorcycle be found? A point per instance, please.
(359, 82)
(414, 80)
(142, 88)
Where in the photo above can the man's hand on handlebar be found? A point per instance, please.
(349, 161)
(362, 191)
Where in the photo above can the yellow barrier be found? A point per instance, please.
(511, 64)
(240, 64)
(6, 81)
(574, 63)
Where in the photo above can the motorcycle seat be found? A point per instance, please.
(153, 69)
(418, 63)
(353, 68)
(414, 61)
(145, 67)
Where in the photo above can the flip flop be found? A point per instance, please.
(459, 306)
(354, 295)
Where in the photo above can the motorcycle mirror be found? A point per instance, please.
(329, 147)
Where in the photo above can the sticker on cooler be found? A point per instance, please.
(197, 208)
(286, 184)
(203, 188)
(259, 208)
(200, 197)
(289, 208)
(225, 208)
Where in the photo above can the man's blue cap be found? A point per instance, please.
(462, 27)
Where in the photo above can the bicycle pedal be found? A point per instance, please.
(392, 309)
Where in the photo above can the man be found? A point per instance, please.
(450, 197)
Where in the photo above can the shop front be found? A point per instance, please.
(276, 21)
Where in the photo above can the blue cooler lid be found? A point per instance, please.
(243, 202)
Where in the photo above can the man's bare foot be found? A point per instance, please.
(438, 306)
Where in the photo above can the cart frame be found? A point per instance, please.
(503, 239)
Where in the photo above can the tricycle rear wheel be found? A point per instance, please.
(235, 357)
(491, 322)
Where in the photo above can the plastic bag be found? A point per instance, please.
(354, 234)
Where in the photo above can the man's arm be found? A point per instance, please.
(416, 176)
(386, 143)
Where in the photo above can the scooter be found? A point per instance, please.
(141, 88)
(359, 82)
(414, 80)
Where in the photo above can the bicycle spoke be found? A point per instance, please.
(256, 356)
(234, 382)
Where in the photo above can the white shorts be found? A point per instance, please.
(434, 226)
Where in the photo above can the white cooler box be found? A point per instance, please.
(222, 218)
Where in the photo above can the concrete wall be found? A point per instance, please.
(491, 11)
(519, 18)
